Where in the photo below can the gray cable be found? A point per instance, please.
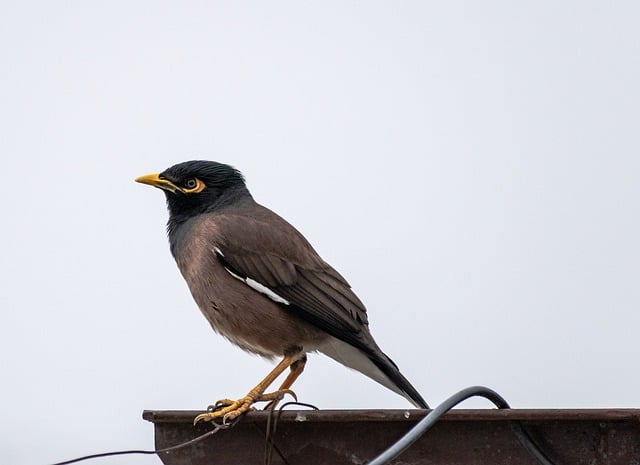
(432, 417)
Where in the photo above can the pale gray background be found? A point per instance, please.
(471, 167)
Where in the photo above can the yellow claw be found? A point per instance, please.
(230, 410)
(221, 403)
(278, 395)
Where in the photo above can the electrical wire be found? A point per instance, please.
(217, 428)
(385, 457)
(432, 417)
(272, 425)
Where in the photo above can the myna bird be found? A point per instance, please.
(261, 285)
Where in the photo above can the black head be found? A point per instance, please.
(198, 186)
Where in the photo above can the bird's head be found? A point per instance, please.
(198, 186)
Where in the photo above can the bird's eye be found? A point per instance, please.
(192, 186)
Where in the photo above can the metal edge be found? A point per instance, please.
(412, 415)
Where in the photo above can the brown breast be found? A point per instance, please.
(246, 317)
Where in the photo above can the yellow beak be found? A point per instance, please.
(156, 181)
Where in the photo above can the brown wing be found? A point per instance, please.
(262, 246)
(259, 245)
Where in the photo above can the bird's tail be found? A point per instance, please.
(391, 371)
(374, 364)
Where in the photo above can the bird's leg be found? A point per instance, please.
(296, 368)
(233, 409)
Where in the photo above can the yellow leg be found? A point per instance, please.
(233, 409)
(297, 368)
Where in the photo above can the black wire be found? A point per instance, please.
(527, 441)
(106, 454)
(272, 424)
(385, 457)
(432, 417)
(152, 452)
(217, 428)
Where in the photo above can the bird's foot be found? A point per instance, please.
(276, 396)
(229, 410)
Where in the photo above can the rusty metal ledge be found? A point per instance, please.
(465, 437)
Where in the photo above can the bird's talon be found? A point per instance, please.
(291, 393)
(200, 418)
(283, 392)
(220, 404)
(275, 397)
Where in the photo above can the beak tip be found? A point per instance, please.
(151, 179)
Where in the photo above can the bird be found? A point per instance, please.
(262, 286)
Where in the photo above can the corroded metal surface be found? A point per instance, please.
(465, 437)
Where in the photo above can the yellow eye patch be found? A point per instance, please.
(199, 187)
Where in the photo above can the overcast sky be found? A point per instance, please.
(470, 167)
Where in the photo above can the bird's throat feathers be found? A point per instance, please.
(185, 207)
(183, 216)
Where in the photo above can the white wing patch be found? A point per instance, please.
(218, 251)
(255, 285)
